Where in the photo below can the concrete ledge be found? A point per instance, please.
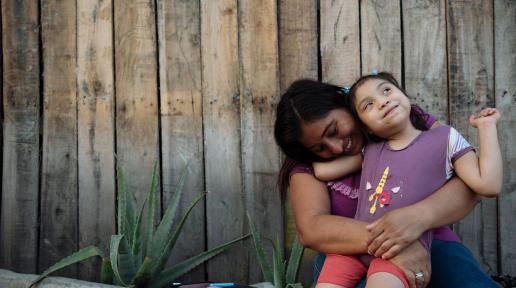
(9, 279)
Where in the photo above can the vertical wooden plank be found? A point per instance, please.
(424, 46)
(95, 129)
(470, 60)
(221, 108)
(505, 89)
(136, 93)
(298, 41)
(181, 120)
(21, 103)
(259, 90)
(340, 41)
(381, 36)
(58, 233)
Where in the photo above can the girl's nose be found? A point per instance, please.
(384, 103)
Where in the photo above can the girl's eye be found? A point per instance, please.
(386, 91)
(367, 105)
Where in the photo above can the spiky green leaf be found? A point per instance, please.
(106, 272)
(164, 229)
(126, 204)
(278, 265)
(114, 255)
(121, 202)
(258, 245)
(76, 257)
(128, 265)
(161, 260)
(169, 275)
(137, 232)
(143, 275)
(151, 200)
(295, 259)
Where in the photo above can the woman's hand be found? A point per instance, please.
(394, 231)
(412, 260)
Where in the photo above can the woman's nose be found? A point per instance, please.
(335, 146)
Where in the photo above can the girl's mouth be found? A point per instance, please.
(390, 110)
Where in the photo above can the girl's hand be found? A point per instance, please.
(394, 231)
(486, 116)
(412, 260)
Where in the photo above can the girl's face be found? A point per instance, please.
(334, 135)
(382, 107)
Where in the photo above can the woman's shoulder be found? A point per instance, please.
(301, 168)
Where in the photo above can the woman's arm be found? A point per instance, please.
(327, 233)
(395, 230)
(318, 229)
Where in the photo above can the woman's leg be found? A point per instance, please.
(453, 265)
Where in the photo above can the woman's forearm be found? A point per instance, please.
(318, 229)
(398, 228)
(334, 234)
(448, 204)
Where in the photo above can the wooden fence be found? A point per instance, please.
(90, 83)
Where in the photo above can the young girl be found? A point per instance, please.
(405, 164)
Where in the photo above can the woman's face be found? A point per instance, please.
(335, 135)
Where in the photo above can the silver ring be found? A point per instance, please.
(419, 275)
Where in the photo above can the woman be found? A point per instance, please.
(314, 124)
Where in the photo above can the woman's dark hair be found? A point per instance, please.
(417, 117)
(305, 101)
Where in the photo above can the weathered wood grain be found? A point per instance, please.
(340, 41)
(297, 41)
(136, 94)
(58, 230)
(225, 211)
(259, 90)
(181, 120)
(471, 78)
(95, 123)
(505, 91)
(21, 143)
(380, 30)
(424, 47)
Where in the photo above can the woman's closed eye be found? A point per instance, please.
(333, 131)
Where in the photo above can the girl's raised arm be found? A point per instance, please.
(484, 175)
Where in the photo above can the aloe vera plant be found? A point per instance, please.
(137, 258)
(283, 274)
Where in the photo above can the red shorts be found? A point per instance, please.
(348, 270)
